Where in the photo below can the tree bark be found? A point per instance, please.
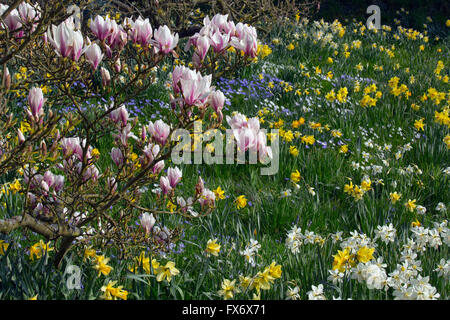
(66, 244)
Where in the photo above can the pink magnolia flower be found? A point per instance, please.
(248, 44)
(196, 91)
(117, 65)
(217, 100)
(112, 184)
(174, 175)
(58, 183)
(220, 21)
(219, 41)
(164, 184)
(143, 133)
(91, 172)
(159, 131)
(253, 123)
(202, 47)
(187, 205)
(12, 20)
(106, 77)
(164, 41)
(151, 151)
(242, 30)
(246, 138)
(158, 167)
(28, 12)
(44, 186)
(117, 38)
(94, 55)
(66, 41)
(7, 79)
(72, 146)
(207, 198)
(117, 156)
(102, 28)
(120, 114)
(36, 101)
(196, 60)
(20, 136)
(141, 31)
(237, 121)
(200, 186)
(182, 72)
(147, 222)
(264, 151)
(49, 178)
(124, 135)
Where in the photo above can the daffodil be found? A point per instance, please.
(419, 125)
(228, 289)
(89, 253)
(102, 265)
(295, 176)
(411, 205)
(111, 293)
(240, 202)
(394, 196)
(274, 270)
(343, 260)
(365, 254)
(166, 272)
(220, 194)
(212, 247)
(39, 249)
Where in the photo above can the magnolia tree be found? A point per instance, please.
(67, 195)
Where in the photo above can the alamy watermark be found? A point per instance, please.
(374, 21)
(73, 281)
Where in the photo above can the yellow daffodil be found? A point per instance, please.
(228, 289)
(241, 202)
(212, 247)
(166, 272)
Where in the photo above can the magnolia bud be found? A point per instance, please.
(36, 101)
(117, 156)
(147, 222)
(6, 79)
(164, 184)
(94, 55)
(200, 186)
(143, 133)
(43, 148)
(20, 136)
(106, 77)
(217, 100)
(174, 175)
(157, 168)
